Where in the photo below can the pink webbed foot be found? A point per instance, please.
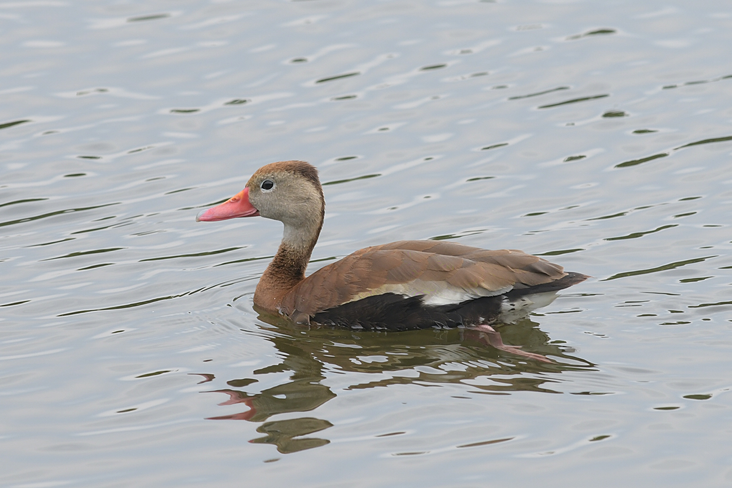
(493, 338)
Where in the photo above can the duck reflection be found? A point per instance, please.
(424, 357)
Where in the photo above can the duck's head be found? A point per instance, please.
(288, 191)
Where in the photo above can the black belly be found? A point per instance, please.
(396, 312)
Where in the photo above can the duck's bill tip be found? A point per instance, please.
(203, 216)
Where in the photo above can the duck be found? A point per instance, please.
(403, 285)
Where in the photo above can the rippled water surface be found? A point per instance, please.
(596, 134)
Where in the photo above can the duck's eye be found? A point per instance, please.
(267, 185)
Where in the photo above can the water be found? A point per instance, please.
(595, 135)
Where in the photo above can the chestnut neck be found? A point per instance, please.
(287, 269)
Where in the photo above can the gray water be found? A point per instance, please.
(595, 134)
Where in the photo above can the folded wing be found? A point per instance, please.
(441, 272)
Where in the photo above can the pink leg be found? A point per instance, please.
(494, 339)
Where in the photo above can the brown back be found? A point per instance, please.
(418, 267)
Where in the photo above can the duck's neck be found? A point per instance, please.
(287, 269)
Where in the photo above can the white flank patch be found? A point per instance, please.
(435, 293)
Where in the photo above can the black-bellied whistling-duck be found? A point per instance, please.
(398, 286)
